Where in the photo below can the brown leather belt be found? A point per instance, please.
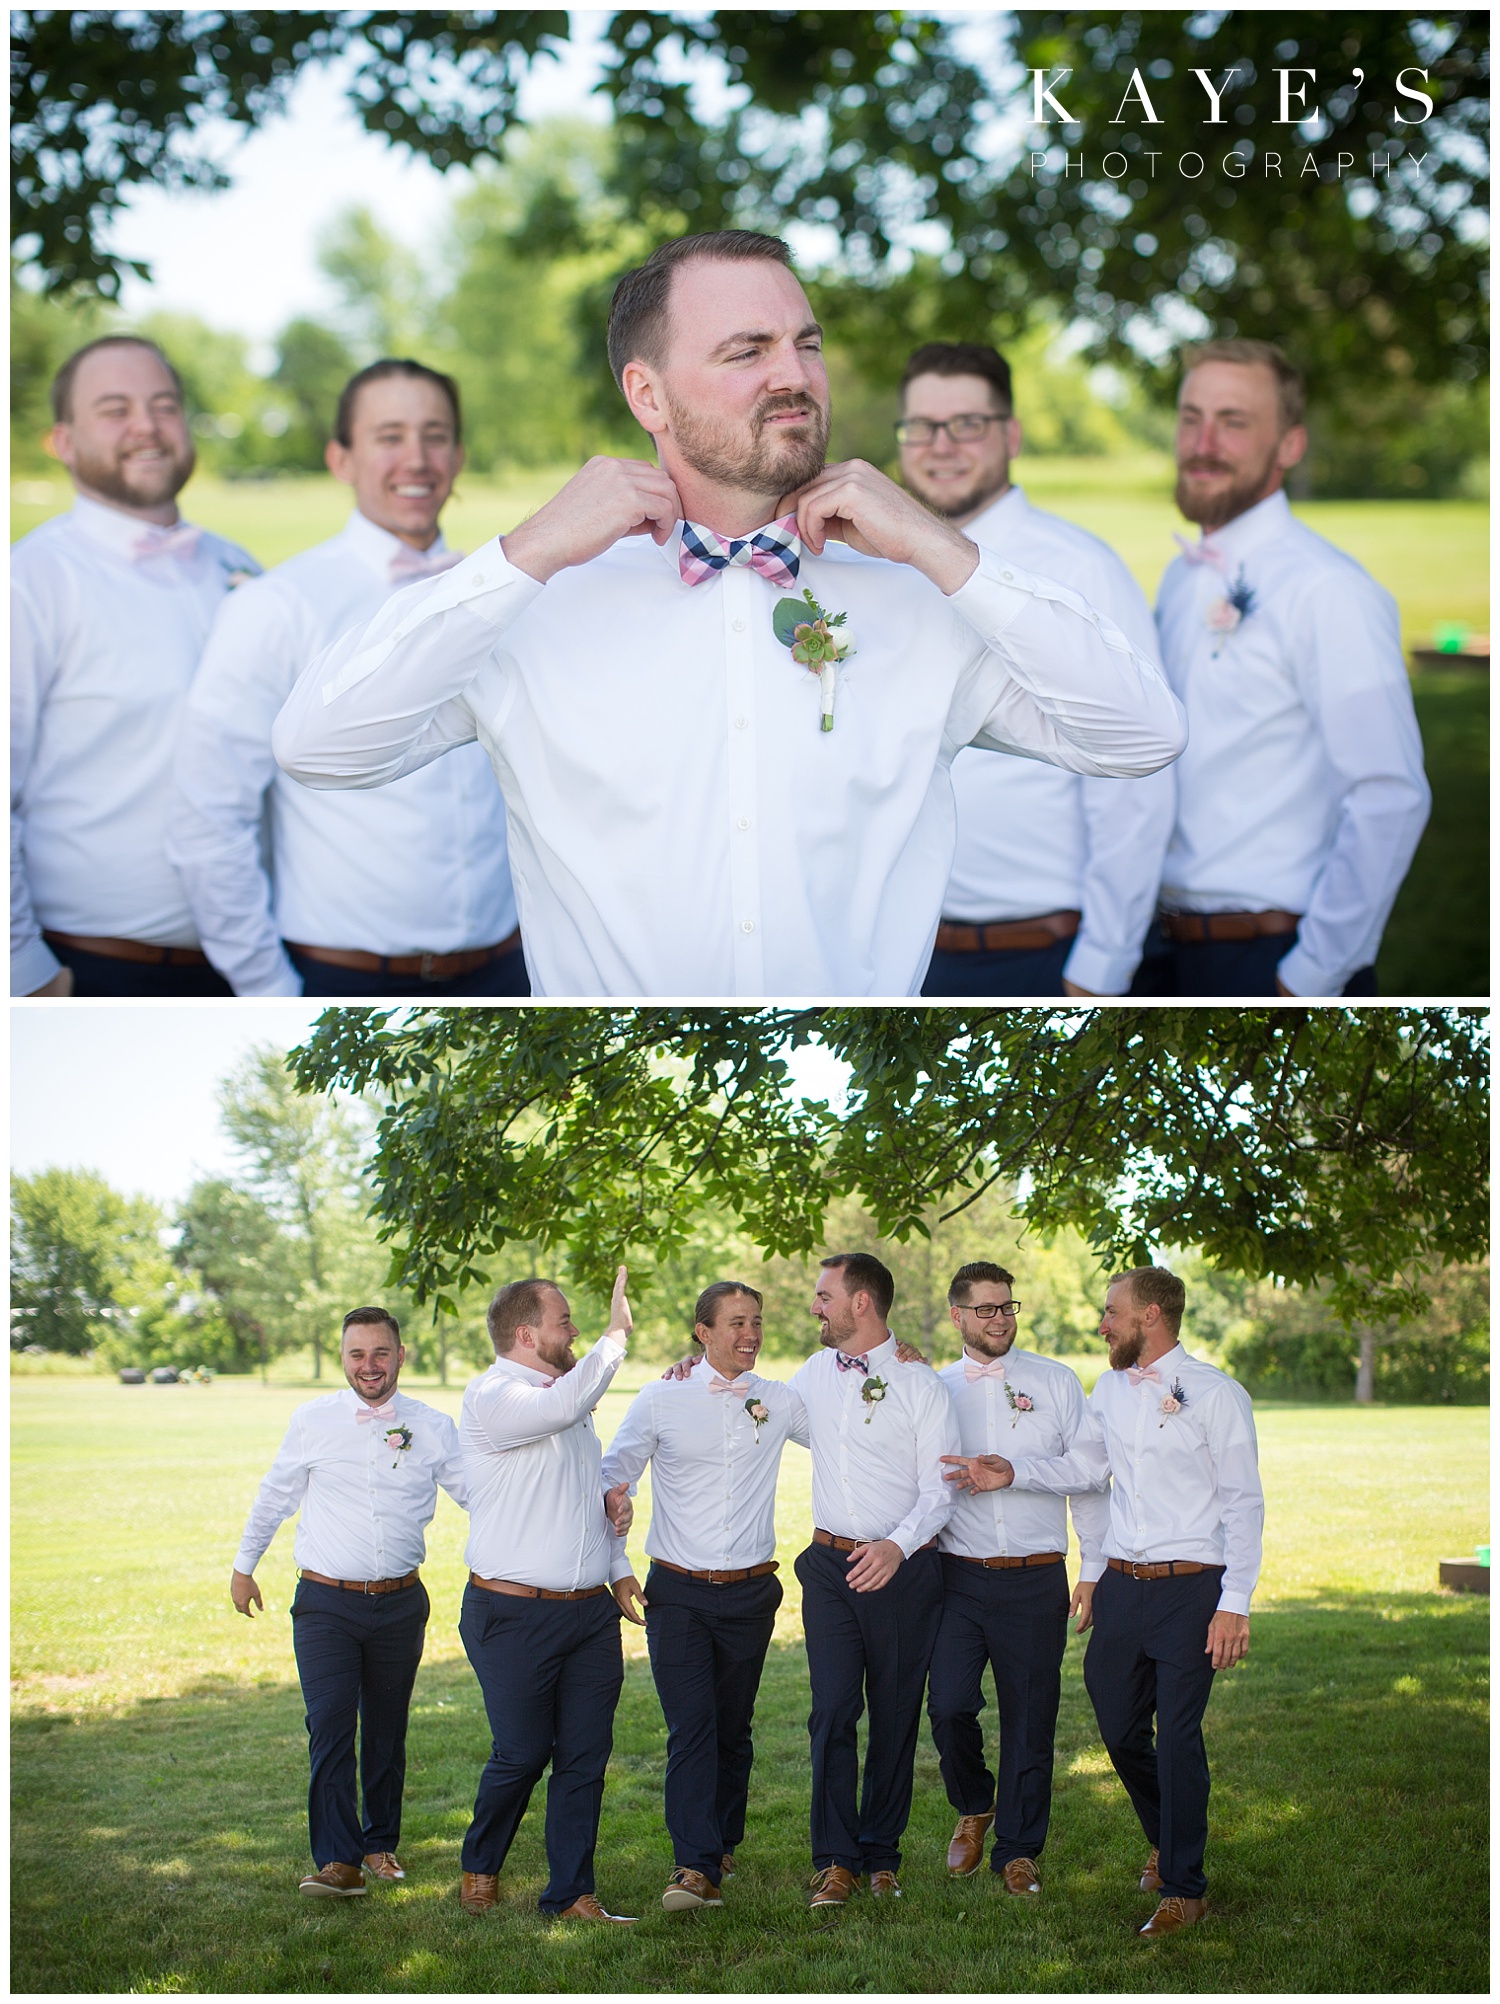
(722, 1579)
(360, 1586)
(534, 1592)
(129, 949)
(1001, 1565)
(428, 966)
(955, 936)
(1194, 928)
(858, 1544)
(1168, 1569)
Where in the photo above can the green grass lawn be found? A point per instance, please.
(158, 1762)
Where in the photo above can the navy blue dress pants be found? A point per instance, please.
(1147, 1655)
(708, 1647)
(357, 1657)
(99, 974)
(1222, 966)
(1010, 970)
(551, 1672)
(1015, 1620)
(505, 975)
(860, 1646)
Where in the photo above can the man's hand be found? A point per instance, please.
(1281, 987)
(60, 984)
(973, 1472)
(1082, 1604)
(678, 1371)
(874, 1566)
(853, 503)
(1072, 988)
(619, 1509)
(243, 1590)
(628, 1597)
(620, 1320)
(1228, 1639)
(605, 500)
(908, 1353)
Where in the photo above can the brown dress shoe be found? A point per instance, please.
(832, 1886)
(885, 1885)
(687, 1888)
(726, 1868)
(334, 1882)
(1021, 1876)
(478, 1891)
(384, 1865)
(586, 1907)
(966, 1852)
(1151, 1877)
(1174, 1914)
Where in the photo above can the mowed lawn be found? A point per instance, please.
(158, 1761)
(1432, 555)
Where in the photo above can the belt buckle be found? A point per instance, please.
(1135, 1570)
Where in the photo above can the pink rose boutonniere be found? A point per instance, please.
(1174, 1402)
(397, 1439)
(1019, 1402)
(759, 1413)
(1223, 615)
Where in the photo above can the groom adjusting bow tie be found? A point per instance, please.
(774, 552)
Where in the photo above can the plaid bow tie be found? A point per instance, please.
(387, 1411)
(179, 542)
(1139, 1377)
(860, 1364)
(1200, 552)
(775, 552)
(995, 1368)
(407, 565)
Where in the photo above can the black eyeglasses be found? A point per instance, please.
(961, 430)
(988, 1310)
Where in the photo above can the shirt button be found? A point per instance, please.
(740, 723)
(738, 625)
(476, 577)
(1008, 576)
(742, 822)
(747, 925)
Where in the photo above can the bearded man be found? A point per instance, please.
(1301, 796)
(110, 607)
(692, 811)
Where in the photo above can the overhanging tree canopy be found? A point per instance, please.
(1314, 1145)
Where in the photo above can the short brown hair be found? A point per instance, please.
(62, 382)
(864, 1274)
(520, 1301)
(962, 358)
(1154, 1285)
(1291, 390)
(706, 1308)
(370, 1318)
(377, 372)
(638, 312)
(967, 1277)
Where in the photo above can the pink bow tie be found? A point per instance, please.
(774, 553)
(179, 542)
(995, 1368)
(387, 1411)
(1200, 552)
(860, 1364)
(1139, 1377)
(718, 1384)
(407, 565)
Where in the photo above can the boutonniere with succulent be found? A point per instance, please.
(397, 1439)
(1019, 1402)
(1174, 1402)
(759, 1413)
(811, 633)
(1225, 614)
(872, 1392)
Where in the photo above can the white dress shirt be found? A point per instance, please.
(103, 646)
(679, 823)
(1033, 838)
(1033, 1406)
(1183, 1485)
(1302, 788)
(531, 1460)
(420, 867)
(365, 1502)
(713, 1470)
(877, 1471)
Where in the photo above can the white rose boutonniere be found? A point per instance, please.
(873, 1391)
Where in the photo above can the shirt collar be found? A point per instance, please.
(509, 1368)
(1005, 512)
(112, 527)
(883, 1354)
(1259, 525)
(1168, 1365)
(376, 546)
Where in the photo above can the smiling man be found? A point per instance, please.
(1301, 797)
(682, 821)
(110, 607)
(363, 1468)
(404, 892)
(713, 1442)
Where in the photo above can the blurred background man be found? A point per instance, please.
(1054, 877)
(401, 891)
(110, 607)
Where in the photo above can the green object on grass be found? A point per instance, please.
(1482, 1553)
(1449, 635)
